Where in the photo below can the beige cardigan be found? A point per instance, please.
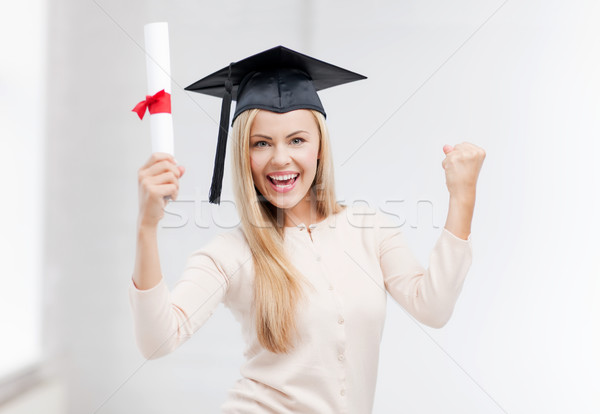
(352, 259)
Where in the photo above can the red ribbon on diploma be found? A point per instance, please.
(160, 102)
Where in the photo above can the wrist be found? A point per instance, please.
(145, 227)
(465, 197)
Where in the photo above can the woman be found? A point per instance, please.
(306, 277)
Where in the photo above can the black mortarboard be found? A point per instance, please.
(278, 80)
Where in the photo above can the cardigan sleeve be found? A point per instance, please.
(164, 319)
(429, 295)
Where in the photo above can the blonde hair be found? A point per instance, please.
(277, 283)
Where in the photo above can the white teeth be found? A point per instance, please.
(283, 177)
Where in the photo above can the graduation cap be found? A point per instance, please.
(278, 80)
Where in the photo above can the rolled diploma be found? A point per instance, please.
(158, 69)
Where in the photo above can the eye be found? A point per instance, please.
(257, 144)
(299, 140)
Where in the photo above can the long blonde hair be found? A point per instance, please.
(277, 283)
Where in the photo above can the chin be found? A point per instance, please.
(285, 201)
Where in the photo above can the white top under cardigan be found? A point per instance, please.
(352, 259)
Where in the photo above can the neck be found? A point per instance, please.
(303, 212)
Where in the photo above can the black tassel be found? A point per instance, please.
(217, 180)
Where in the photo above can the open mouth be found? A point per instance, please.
(283, 183)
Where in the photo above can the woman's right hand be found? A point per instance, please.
(157, 179)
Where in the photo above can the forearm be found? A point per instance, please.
(155, 323)
(460, 215)
(146, 272)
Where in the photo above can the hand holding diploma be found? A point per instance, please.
(158, 179)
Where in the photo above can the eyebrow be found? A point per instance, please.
(266, 137)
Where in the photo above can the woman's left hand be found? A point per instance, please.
(462, 165)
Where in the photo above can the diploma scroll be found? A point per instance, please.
(158, 69)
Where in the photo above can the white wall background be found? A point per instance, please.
(22, 110)
(519, 79)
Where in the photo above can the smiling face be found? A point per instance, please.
(284, 149)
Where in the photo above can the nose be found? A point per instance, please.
(281, 155)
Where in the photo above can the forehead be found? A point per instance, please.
(267, 122)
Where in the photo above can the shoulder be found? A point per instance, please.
(228, 249)
(235, 237)
(368, 217)
(372, 224)
(230, 240)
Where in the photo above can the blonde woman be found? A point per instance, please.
(306, 277)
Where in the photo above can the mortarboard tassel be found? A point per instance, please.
(217, 180)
